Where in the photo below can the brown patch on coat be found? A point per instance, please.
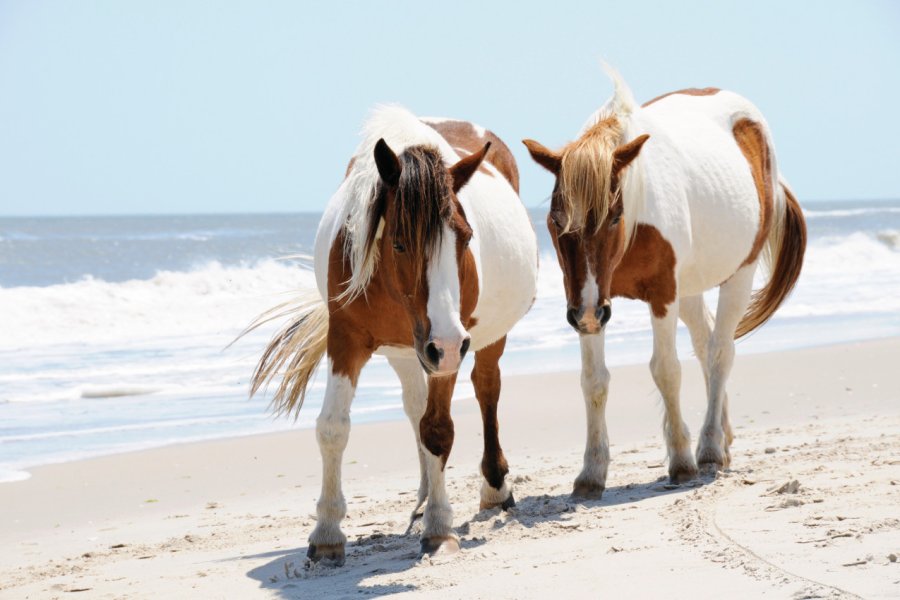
(707, 91)
(752, 142)
(486, 379)
(436, 425)
(647, 270)
(463, 136)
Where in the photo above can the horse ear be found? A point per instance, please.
(544, 156)
(626, 153)
(462, 171)
(387, 163)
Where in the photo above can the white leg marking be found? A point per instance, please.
(415, 395)
(595, 387)
(734, 296)
(332, 432)
(666, 372)
(699, 320)
(438, 519)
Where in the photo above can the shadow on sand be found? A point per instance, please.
(290, 575)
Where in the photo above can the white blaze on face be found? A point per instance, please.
(590, 297)
(447, 332)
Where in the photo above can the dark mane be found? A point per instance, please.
(423, 199)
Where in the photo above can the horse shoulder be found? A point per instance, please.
(647, 270)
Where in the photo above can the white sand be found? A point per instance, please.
(229, 519)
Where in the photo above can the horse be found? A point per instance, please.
(424, 253)
(661, 202)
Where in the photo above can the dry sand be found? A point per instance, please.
(810, 508)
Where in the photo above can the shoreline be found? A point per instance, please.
(225, 517)
(15, 474)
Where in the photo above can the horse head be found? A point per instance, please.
(588, 220)
(422, 235)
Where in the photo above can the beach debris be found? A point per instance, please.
(79, 590)
(212, 505)
(117, 546)
(892, 557)
(789, 487)
(770, 450)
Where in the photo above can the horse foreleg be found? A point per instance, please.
(486, 379)
(666, 372)
(734, 296)
(415, 391)
(699, 321)
(436, 433)
(332, 431)
(591, 482)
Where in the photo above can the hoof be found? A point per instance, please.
(440, 545)
(585, 490)
(682, 467)
(330, 553)
(711, 459)
(710, 469)
(505, 505)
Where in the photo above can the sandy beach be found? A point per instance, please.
(809, 509)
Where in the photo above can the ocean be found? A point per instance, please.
(113, 330)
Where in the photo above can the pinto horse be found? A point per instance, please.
(424, 253)
(662, 202)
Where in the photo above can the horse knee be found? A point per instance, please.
(437, 435)
(595, 383)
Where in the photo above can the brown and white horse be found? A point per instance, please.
(424, 253)
(662, 202)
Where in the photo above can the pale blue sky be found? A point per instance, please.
(117, 107)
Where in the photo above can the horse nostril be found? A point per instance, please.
(570, 317)
(604, 313)
(433, 353)
(464, 348)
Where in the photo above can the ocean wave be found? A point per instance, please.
(212, 299)
(850, 212)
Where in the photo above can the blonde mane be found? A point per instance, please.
(586, 177)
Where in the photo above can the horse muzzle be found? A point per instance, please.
(443, 356)
(589, 322)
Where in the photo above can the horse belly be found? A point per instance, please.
(507, 257)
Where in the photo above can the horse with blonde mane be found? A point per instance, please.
(424, 253)
(662, 202)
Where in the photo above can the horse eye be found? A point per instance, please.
(399, 247)
(615, 220)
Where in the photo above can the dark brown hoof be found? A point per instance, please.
(440, 545)
(508, 503)
(329, 553)
(587, 490)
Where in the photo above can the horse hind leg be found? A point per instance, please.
(415, 392)
(699, 321)
(494, 468)
(715, 436)
(666, 371)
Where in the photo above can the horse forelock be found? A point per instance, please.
(423, 202)
(586, 177)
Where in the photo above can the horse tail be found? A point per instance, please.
(297, 349)
(784, 255)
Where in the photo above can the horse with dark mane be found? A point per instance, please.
(662, 202)
(424, 253)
